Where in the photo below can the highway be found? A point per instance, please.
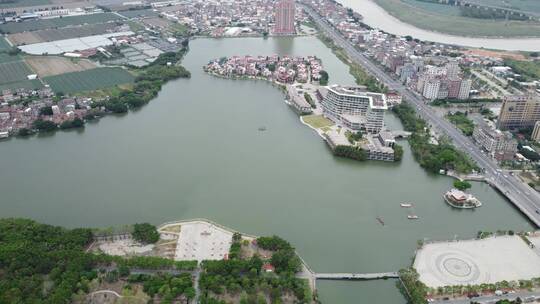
(521, 195)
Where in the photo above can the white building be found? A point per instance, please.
(355, 108)
(452, 69)
(431, 89)
(465, 89)
(501, 145)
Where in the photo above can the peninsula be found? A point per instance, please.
(194, 261)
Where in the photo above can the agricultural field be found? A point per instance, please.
(142, 13)
(436, 8)
(23, 84)
(52, 65)
(523, 5)
(59, 34)
(14, 71)
(89, 80)
(33, 25)
(4, 45)
(22, 3)
(5, 57)
(434, 17)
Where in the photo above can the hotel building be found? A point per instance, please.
(355, 108)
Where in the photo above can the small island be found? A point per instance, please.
(461, 200)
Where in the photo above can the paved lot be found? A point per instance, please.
(476, 261)
(202, 241)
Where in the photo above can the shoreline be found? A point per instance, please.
(451, 34)
(305, 266)
(397, 27)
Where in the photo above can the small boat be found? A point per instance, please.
(263, 128)
(405, 205)
(412, 217)
(380, 221)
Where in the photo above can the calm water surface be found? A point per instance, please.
(195, 151)
(375, 16)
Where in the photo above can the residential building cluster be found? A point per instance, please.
(219, 18)
(500, 145)
(440, 82)
(422, 66)
(283, 69)
(20, 109)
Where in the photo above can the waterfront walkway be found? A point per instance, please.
(356, 276)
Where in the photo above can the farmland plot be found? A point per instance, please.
(95, 79)
(14, 71)
(51, 65)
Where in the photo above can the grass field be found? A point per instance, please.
(89, 80)
(426, 16)
(14, 71)
(21, 3)
(41, 24)
(23, 84)
(4, 45)
(317, 121)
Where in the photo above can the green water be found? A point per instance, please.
(195, 151)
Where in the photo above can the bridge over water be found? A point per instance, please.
(356, 276)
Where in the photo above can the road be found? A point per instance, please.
(521, 195)
(492, 299)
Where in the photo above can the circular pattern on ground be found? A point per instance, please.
(457, 267)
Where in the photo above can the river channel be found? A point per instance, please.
(196, 151)
(376, 17)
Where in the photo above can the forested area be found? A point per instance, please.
(246, 279)
(148, 83)
(47, 264)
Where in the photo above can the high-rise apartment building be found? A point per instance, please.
(519, 111)
(465, 89)
(284, 17)
(536, 132)
(452, 69)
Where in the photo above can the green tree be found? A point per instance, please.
(324, 78)
(462, 185)
(44, 125)
(145, 233)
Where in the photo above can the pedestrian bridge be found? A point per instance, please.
(356, 276)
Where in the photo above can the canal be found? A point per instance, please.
(196, 151)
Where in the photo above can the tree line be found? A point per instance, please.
(431, 156)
